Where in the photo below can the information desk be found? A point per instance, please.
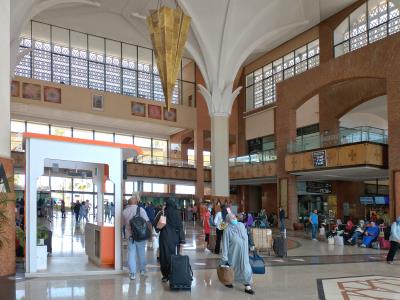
(99, 244)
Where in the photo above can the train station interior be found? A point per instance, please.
(274, 110)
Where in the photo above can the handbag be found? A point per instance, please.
(162, 221)
(225, 274)
(257, 263)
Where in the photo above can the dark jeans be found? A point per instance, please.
(218, 241)
(394, 246)
(77, 217)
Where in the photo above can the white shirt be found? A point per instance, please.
(218, 220)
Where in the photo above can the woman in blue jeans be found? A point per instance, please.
(314, 224)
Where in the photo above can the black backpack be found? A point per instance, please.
(140, 229)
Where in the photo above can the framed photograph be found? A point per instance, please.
(138, 109)
(15, 88)
(31, 91)
(170, 115)
(154, 111)
(97, 102)
(52, 94)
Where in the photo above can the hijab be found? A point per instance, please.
(172, 214)
(249, 220)
(224, 212)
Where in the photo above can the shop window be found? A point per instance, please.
(38, 128)
(83, 134)
(83, 185)
(185, 189)
(124, 139)
(147, 187)
(159, 188)
(61, 131)
(61, 183)
(103, 136)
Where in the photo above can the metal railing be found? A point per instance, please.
(345, 136)
(166, 161)
(255, 158)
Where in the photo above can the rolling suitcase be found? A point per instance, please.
(181, 274)
(280, 246)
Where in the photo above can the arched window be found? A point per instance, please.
(372, 21)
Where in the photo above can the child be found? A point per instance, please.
(207, 229)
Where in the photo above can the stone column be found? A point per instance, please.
(219, 102)
(220, 155)
(100, 195)
(393, 105)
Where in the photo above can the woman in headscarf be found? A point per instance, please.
(171, 236)
(235, 252)
(370, 235)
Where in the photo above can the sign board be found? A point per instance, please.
(319, 158)
(318, 187)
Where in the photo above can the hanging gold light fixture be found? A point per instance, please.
(168, 29)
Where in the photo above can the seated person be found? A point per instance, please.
(358, 232)
(370, 235)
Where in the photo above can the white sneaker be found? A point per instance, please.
(207, 251)
(314, 239)
(142, 273)
(132, 276)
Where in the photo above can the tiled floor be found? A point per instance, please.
(313, 270)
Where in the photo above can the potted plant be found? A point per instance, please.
(42, 235)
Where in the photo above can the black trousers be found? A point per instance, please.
(394, 246)
(218, 241)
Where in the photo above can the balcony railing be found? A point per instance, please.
(166, 161)
(345, 136)
(256, 158)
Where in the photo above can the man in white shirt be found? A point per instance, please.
(134, 246)
(219, 224)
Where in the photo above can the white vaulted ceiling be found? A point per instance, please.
(225, 34)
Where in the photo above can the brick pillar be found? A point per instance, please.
(7, 252)
(198, 149)
(393, 104)
(285, 131)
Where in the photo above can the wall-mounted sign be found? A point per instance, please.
(319, 158)
(318, 187)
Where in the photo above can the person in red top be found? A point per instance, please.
(207, 229)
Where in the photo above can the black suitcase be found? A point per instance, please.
(280, 246)
(181, 275)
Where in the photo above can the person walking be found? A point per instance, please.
(107, 212)
(136, 249)
(112, 211)
(77, 208)
(171, 237)
(281, 219)
(219, 221)
(63, 209)
(314, 224)
(235, 252)
(207, 229)
(394, 241)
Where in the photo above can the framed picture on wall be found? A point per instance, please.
(31, 91)
(52, 94)
(15, 88)
(170, 115)
(97, 102)
(138, 109)
(154, 111)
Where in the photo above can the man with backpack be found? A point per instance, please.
(138, 229)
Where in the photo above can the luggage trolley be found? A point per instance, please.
(262, 238)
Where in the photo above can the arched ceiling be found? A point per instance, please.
(225, 34)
